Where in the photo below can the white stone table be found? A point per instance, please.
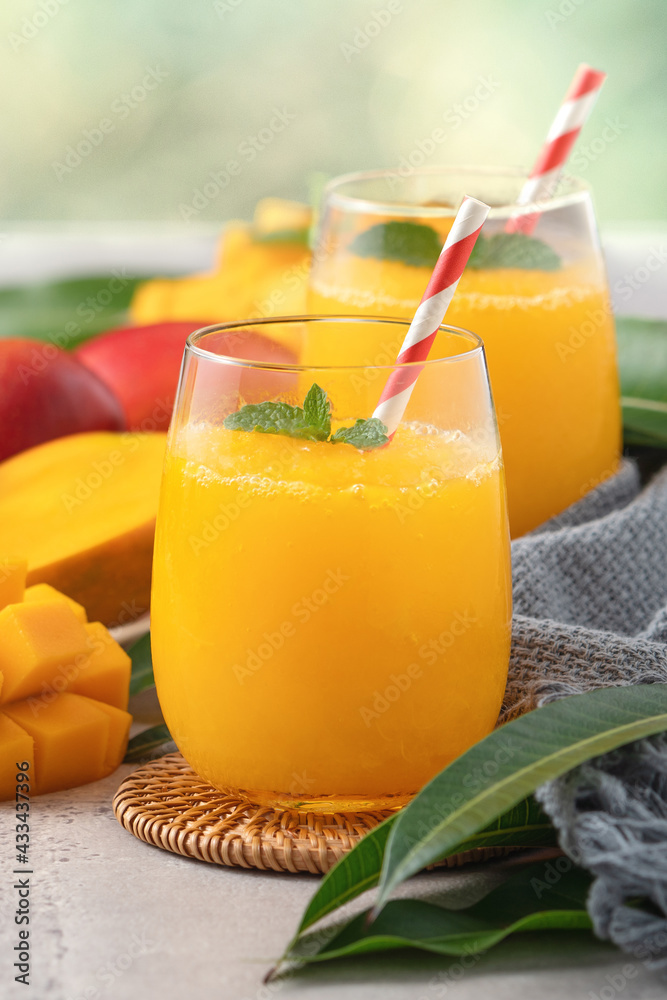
(115, 919)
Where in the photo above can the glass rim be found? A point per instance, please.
(577, 189)
(192, 344)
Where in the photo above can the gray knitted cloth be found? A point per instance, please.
(590, 601)
(611, 817)
(590, 596)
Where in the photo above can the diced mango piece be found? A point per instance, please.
(49, 653)
(275, 214)
(45, 592)
(12, 580)
(119, 733)
(38, 642)
(251, 277)
(71, 735)
(105, 676)
(15, 747)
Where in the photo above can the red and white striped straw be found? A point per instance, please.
(431, 311)
(561, 137)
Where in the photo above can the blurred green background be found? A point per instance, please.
(284, 89)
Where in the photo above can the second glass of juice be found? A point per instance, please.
(330, 620)
(540, 304)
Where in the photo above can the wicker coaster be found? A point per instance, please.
(166, 804)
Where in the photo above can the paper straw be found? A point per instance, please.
(572, 114)
(431, 311)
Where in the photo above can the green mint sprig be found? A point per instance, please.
(311, 422)
(418, 245)
(371, 433)
(513, 250)
(409, 243)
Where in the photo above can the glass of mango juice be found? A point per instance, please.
(331, 609)
(539, 302)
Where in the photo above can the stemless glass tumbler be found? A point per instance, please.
(330, 610)
(540, 304)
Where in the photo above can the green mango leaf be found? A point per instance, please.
(152, 742)
(66, 312)
(353, 874)
(298, 237)
(644, 422)
(526, 825)
(538, 897)
(642, 358)
(142, 665)
(498, 772)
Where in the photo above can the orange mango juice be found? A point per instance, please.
(330, 626)
(550, 347)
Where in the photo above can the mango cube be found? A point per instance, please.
(71, 735)
(105, 676)
(119, 733)
(64, 685)
(45, 592)
(40, 643)
(12, 580)
(15, 747)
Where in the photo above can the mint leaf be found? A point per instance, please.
(513, 250)
(275, 418)
(317, 409)
(410, 243)
(311, 422)
(417, 245)
(371, 433)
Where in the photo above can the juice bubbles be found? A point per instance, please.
(548, 333)
(331, 625)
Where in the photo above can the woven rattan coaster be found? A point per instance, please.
(166, 804)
